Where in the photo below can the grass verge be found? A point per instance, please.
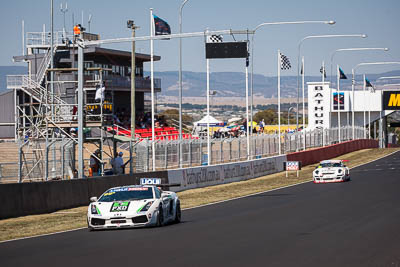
(76, 218)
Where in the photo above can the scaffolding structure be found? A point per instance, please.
(46, 114)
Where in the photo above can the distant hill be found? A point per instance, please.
(9, 70)
(231, 84)
(228, 84)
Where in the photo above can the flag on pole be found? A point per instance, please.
(285, 63)
(342, 75)
(368, 84)
(214, 38)
(302, 68)
(323, 71)
(161, 27)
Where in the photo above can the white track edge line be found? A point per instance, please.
(205, 205)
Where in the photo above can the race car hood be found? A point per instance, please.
(124, 208)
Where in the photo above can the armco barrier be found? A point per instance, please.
(224, 173)
(317, 154)
(21, 199)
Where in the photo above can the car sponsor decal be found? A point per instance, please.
(109, 193)
(124, 189)
(138, 189)
(120, 206)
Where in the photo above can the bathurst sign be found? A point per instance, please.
(391, 100)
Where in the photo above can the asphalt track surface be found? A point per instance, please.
(356, 223)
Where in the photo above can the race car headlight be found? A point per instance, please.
(316, 172)
(339, 171)
(94, 209)
(146, 207)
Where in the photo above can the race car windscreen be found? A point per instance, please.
(330, 164)
(127, 193)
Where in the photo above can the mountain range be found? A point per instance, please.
(227, 84)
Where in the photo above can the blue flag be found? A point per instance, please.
(342, 75)
(161, 27)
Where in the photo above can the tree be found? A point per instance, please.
(172, 117)
(269, 115)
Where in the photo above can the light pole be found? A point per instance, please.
(89, 21)
(64, 10)
(180, 83)
(353, 71)
(131, 25)
(332, 56)
(329, 22)
(288, 113)
(298, 61)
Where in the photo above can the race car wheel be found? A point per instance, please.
(178, 213)
(160, 218)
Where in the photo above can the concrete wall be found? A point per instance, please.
(197, 177)
(44, 197)
(317, 154)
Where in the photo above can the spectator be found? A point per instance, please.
(119, 164)
(94, 164)
(262, 124)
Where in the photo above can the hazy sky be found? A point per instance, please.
(380, 20)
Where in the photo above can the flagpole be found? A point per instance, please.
(247, 112)
(208, 112)
(369, 117)
(338, 99)
(279, 101)
(152, 88)
(304, 109)
(365, 133)
(323, 72)
(352, 102)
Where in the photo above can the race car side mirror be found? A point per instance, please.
(93, 199)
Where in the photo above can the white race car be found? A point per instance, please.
(133, 206)
(331, 171)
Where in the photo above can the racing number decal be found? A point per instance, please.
(119, 206)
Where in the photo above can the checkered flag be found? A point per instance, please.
(285, 63)
(214, 39)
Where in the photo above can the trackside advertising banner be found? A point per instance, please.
(225, 173)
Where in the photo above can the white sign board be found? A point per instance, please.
(318, 105)
(150, 181)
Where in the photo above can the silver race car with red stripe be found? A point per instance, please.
(133, 206)
(331, 171)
